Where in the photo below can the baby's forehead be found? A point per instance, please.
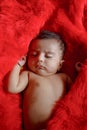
(45, 43)
(46, 48)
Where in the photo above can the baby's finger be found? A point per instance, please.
(24, 58)
(22, 61)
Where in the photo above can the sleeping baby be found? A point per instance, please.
(42, 84)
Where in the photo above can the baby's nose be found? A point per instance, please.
(41, 57)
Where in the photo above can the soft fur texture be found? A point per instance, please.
(71, 112)
(20, 21)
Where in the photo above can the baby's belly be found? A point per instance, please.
(39, 102)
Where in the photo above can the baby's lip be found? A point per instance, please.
(40, 67)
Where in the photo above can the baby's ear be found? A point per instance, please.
(61, 63)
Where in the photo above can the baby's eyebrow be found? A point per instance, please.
(36, 49)
(50, 52)
(47, 52)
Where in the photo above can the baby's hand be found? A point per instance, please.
(22, 61)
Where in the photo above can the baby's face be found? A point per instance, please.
(44, 57)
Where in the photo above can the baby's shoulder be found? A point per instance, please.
(62, 75)
(66, 78)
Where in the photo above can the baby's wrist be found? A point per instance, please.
(22, 61)
(19, 65)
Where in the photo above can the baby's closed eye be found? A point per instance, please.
(34, 53)
(48, 56)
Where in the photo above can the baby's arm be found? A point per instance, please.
(17, 81)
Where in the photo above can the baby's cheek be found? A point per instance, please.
(31, 61)
(52, 66)
(30, 64)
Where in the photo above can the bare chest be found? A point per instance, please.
(41, 95)
(43, 88)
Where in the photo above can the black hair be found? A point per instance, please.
(45, 34)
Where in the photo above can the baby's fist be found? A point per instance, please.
(22, 61)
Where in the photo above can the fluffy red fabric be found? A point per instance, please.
(71, 112)
(20, 21)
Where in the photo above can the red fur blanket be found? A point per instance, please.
(20, 21)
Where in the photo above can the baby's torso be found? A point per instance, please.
(41, 94)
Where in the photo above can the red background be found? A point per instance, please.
(20, 21)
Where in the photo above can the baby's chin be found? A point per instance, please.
(43, 73)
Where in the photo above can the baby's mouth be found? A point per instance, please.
(40, 67)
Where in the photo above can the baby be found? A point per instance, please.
(43, 84)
